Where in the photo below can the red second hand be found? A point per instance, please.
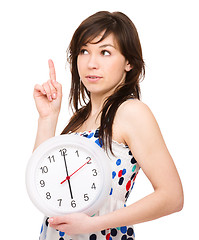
(68, 177)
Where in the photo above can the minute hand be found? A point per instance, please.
(68, 177)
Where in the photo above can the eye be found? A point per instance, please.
(83, 51)
(105, 53)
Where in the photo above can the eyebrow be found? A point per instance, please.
(102, 46)
(107, 45)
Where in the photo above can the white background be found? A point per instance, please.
(34, 31)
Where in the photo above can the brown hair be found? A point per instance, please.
(128, 41)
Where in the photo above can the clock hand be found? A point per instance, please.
(68, 177)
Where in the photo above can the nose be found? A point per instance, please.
(93, 62)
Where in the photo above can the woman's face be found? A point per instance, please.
(101, 66)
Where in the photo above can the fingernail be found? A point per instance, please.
(54, 95)
(50, 98)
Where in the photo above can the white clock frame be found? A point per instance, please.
(63, 141)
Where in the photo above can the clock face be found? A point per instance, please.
(68, 174)
(68, 179)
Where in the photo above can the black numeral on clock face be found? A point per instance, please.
(88, 159)
(77, 152)
(48, 196)
(42, 183)
(59, 201)
(63, 151)
(51, 158)
(86, 197)
(93, 186)
(94, 172)
(73, 204)
(44, 169)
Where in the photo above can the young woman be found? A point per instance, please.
(106, 65)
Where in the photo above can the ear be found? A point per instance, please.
(128, 67)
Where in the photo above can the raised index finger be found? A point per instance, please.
(52, 70)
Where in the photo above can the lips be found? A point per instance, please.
(93, 78)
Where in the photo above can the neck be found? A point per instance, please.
(96, 104)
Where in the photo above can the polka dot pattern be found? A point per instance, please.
(113, 232)
(42, 227)
(46, 222)
(123, 229)
(121, 180)
(118, 162)
(124, 172)
(61, 234)
(124, 232)
(113, 174)
(93, 237)
(128, 185)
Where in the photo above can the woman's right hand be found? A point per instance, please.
(48, 96)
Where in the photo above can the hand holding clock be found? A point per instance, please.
(76, 223)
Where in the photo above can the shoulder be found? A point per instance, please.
(132, 105)
(133, 111)
(133, 119)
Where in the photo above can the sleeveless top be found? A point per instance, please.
(124, 171)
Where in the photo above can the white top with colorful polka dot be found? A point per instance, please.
(124, 171)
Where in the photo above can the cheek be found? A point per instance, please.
(116, 68)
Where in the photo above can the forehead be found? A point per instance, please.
(99, 40)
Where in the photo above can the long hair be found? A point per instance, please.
(127, 38)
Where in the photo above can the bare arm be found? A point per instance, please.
(146, 142)
(48, 98)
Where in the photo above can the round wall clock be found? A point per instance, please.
(68, 174)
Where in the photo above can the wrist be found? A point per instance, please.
(46, 129)
(48, 124)
(100, 223)
(49, 119)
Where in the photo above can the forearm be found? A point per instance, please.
(46, 129)
(151, 207)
